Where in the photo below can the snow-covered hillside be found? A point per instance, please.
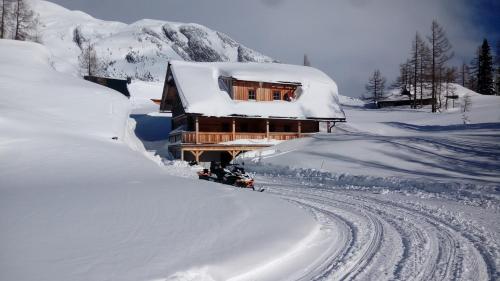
(77, 203)
(140, 50)
(403, 144)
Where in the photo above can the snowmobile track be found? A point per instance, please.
(386, 240)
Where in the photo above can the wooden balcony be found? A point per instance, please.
(221, 137)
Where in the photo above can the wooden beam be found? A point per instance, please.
(234, 130)
(267, 128)
(234, 153)
(197, 154)
(182, 154)
(197, 130)
(299, 126)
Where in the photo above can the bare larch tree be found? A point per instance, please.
(25, 21)
(440, 55)
(375, 87)
(89, 63)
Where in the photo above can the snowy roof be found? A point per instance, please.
(200, 93)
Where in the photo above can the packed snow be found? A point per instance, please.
(198, 87)
(80, 198)
(409, 194)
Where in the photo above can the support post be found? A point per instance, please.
(267, 129)
(197, 129)
(182, 154)
(328, 128)
(197, 154)
(234, 129)
(299, 126)
(234, 153)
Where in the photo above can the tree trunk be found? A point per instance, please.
(18, 20)
(433, 72)
(2, 23)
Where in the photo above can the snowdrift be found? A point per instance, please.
(76, 203)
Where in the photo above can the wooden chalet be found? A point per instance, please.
(403, 102)
(222, 109)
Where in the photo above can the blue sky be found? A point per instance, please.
(347, 39)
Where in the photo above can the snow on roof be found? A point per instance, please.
(198, 87)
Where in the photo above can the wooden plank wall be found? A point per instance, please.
(264, 91)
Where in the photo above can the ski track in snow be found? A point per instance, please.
(385, 239)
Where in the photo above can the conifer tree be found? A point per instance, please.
(485, 84)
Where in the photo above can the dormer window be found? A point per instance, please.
(276, 95)
(251, 94)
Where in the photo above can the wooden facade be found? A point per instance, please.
(201, 132)
(262, 91)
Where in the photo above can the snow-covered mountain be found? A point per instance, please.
(140, 50)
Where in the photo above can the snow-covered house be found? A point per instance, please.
(221, 109)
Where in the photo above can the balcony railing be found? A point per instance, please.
(221, 137)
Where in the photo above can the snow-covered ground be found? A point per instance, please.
(393, 194)
(400, 194)
(80, 199)
(410, 195)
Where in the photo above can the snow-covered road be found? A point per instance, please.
(396, 236)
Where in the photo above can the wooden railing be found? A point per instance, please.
(220, 137)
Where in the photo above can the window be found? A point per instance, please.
(251, 94)
(276, 95)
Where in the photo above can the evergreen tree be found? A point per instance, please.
(485, 84)
(440, 55)
(375, 87)
(497, 71)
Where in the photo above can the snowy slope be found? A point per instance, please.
(401, 143)
(140, 50)
(76, 204)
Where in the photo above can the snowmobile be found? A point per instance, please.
(233, 174)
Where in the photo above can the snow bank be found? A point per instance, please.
(198, 86)
(76, 203)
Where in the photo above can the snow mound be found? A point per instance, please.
(77, 203)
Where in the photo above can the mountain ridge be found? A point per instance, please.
(140, 50)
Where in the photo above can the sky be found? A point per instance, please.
(347, 39)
